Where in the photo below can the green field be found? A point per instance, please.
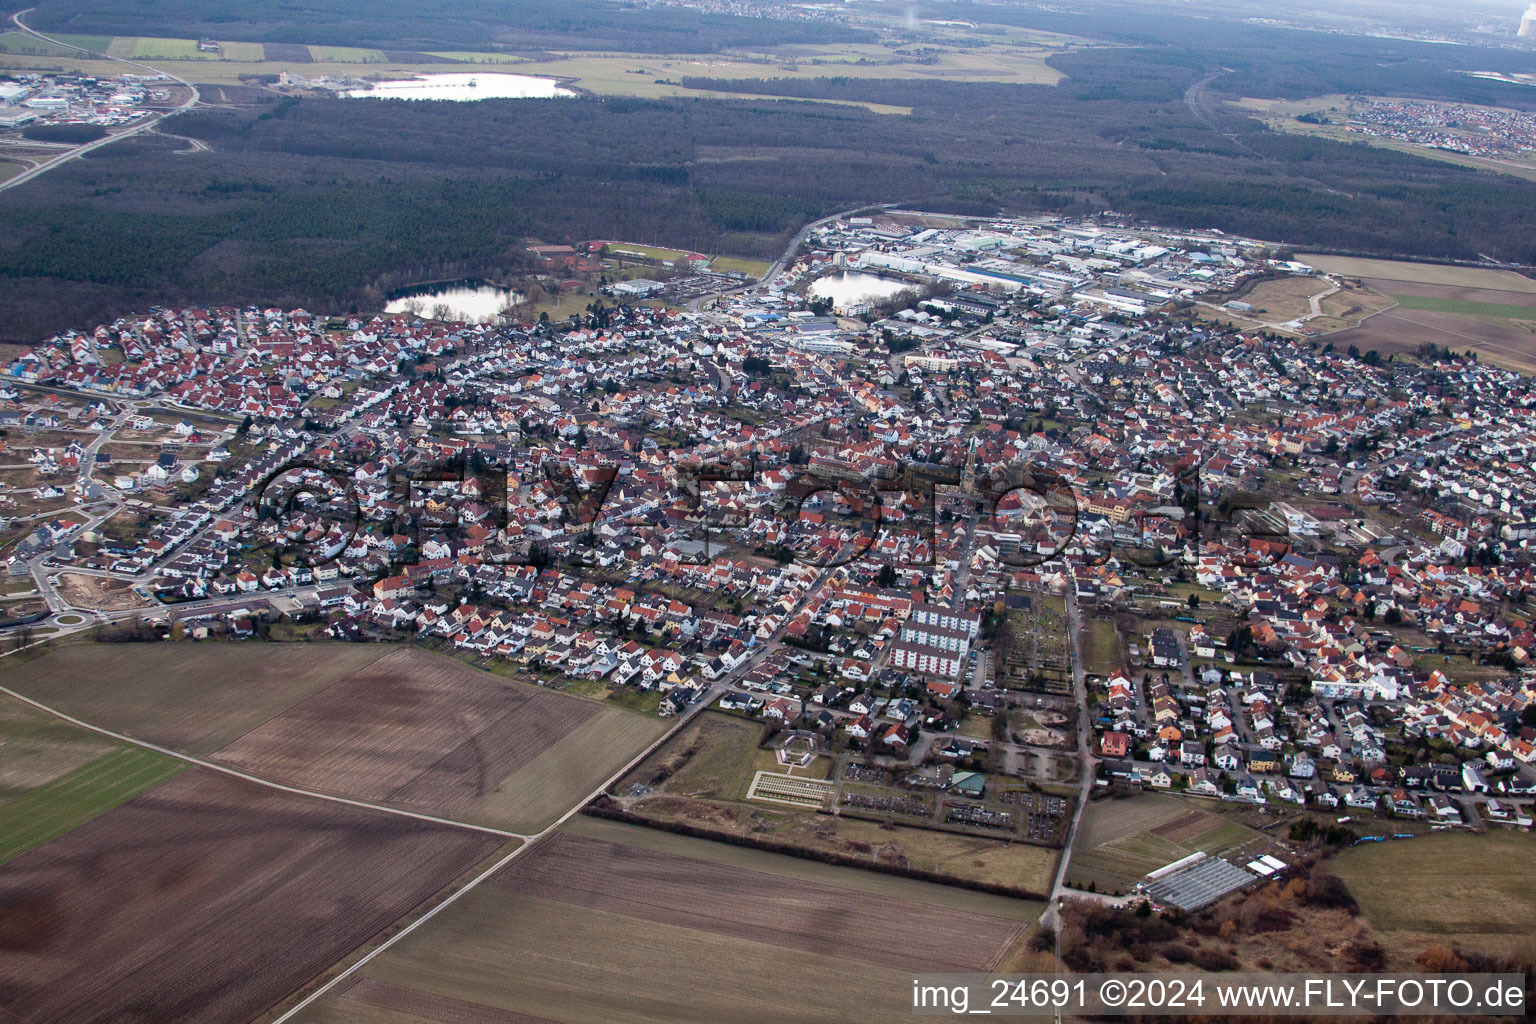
(73, 799)
(243, 51)
(631, 249)
(347, 54)
(752, 268)
(21, 43)
(148, 48)
(1496, 310)
(96, 44)
(1475, 891)
(1103, 647)
(1489, 278)
(469, 57)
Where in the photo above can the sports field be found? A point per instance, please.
(610, 923)
(731, 264)
(1473, 891)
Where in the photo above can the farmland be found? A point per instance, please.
(69, 801)
(36, 748)
(192, 698)
(348, 54)
(142, 906)
(370, 722)
(1486, 310)
(1436, 895)
(601, 905)
(1122, 840)
(1421, 273)
(429, 734)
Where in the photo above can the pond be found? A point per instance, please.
(845, 288)
(464, 87)
(472, 301)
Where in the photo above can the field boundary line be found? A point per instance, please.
(258, 780)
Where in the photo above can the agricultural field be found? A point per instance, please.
(600, 905)
(194, 698)
(1120, 841)
(1486, 310)
(142, 906)
(1435, 896)
(469, 57)
(1490, 278)
(71, 800)
(36, 748)
(347, 55)
(429, 734)
(22, 44)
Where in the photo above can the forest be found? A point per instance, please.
(332, 203)
(526, 25)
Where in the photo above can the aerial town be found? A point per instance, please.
(976, 512)
(1457, 128)
(44, 99)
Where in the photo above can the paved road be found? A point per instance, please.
(1052, 918)
(149, 121)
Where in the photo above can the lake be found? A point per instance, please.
(845, 288)
(472, 301)
(464, 87)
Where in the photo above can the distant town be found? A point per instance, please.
(40, 99)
